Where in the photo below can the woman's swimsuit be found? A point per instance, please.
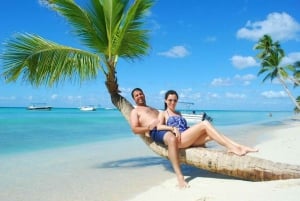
(178, 122)
(174, 121)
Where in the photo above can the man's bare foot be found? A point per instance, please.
(182, 183)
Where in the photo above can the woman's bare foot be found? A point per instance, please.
(249, 149)
(237, 151)
(241, 150)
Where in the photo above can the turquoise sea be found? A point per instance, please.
(24, 130)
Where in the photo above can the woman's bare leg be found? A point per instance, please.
(194, 135)
(173, 153)
(243, 149)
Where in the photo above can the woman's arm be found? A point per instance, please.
(162, 123)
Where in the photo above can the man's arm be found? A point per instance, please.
(135, 124)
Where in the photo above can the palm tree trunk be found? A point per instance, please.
(288, 92)
(122, 104)
(244, 167)
(295, 81)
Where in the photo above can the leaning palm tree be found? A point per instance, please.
(113, 29)
(296, 110)
(271, 55)
(296, 75)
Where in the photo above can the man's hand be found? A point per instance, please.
(153, 124)
(177, 134)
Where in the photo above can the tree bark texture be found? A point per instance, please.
(244, 167)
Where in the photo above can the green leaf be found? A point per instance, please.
(40, 61)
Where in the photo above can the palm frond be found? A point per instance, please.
(124, 25)
(82, 24)
(40, 61)
(113, 11)
(134, 40)
(264, 69)
(282, 72)
(112, 27)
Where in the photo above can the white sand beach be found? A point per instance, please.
(282, 146)
(128, 170)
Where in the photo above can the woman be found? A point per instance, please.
(198, 134)
(144, 119)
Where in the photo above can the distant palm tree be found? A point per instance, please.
(266, 45)
(297, 110)
(113, 29)
(271, 55)
(296, 75)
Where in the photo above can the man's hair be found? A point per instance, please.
(136, 89)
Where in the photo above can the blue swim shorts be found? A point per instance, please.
(158, 135)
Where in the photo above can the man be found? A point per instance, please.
(144, 119)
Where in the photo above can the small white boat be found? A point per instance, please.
(87, 108)
(191, 116)
(39, 106)
(195, 118)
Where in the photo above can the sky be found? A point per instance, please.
(202, 49)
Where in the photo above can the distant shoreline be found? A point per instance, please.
(206, 110)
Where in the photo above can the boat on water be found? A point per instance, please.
(192, 116)
(88, 108)
(195, 118)
(39, 106)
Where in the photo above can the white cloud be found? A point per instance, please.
(175, 52)
(154, 25)
(162, 92)
(241, 62)
(44, 3)
(3, 98)
(125, 91)
(291, 58)
(185, 93)
(213, 95)
(280, 26)
(54, 96)
(235, 95)
(274, 94)
(245, 78)
(30, 98)
(221, 82)
(71, 98)
(210, 39)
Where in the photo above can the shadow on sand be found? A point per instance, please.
(139, 162)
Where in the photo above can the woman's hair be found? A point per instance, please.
(170, 92)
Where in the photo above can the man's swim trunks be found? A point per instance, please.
(158, 135)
